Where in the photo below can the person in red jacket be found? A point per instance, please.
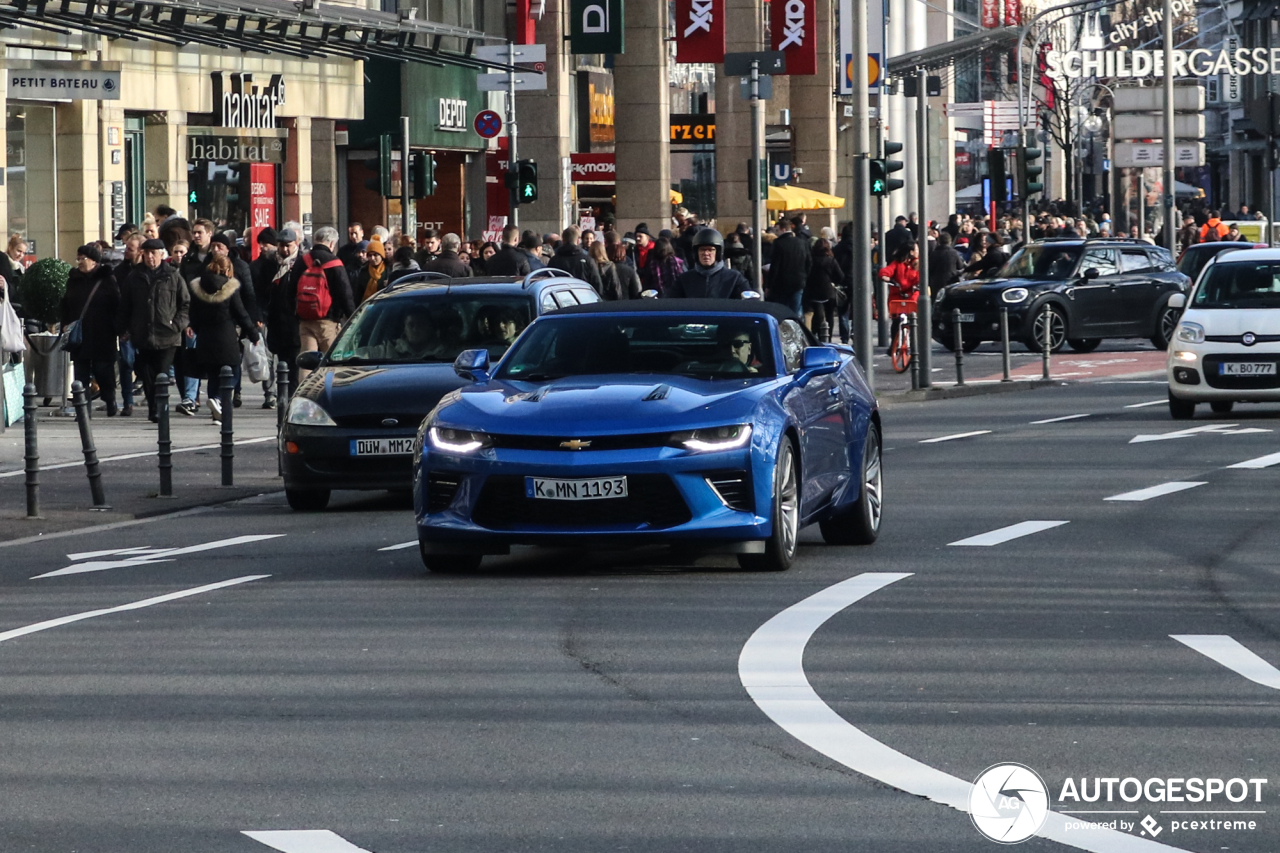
(903, 278)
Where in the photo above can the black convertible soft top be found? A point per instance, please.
(683, 306)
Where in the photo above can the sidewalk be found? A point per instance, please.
(130, 476)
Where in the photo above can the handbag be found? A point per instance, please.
(73, 334)
(11, 337)
(13, 386)
(255, 363)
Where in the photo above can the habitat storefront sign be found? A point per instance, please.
(1120, 63)
(231, 145)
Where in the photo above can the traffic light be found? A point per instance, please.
(526, 181)
(996, 172)
(422, 174)
(881, 183)
(382, 166)
(1029, 172)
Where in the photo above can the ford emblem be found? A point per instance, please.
(1248, 339)
(390, 422)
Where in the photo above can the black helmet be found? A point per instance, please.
(708, 237)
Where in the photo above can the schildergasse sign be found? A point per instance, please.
(1121, 62)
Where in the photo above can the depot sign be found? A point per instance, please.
(1200, 62)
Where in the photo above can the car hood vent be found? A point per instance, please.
(659, 393)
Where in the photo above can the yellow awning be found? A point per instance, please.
(676, 198)
(798, 198)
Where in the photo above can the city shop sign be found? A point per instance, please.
(226, 145)
(1121, 63)
(244, 104)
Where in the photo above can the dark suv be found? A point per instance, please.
(1095, 289)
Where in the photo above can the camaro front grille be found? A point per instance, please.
(733, 487)
(632, 441)
(652, 500)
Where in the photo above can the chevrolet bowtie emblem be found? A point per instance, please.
(575, 444)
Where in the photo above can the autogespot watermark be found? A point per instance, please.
(1010, 802)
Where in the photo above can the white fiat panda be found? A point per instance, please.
(1226, 348)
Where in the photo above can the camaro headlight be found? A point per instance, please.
(457, 440)
(713, 439)
(1184, 355)
(304, 412)
(1014, 295)
(1191, 333)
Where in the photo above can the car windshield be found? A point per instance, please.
(430, 328)
(1233, 285)
(1051, 263)
(1196, 259)
(663, 344)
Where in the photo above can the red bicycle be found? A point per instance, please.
(900, 353)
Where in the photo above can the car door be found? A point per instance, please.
(1097, 301)
(1138, 288)
(818, 409)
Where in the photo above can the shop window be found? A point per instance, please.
(31, 174)
(135, 187)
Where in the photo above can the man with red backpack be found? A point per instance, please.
(320, 293)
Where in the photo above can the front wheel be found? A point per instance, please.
(780, 547)
(1165, 327)
(859, 524)
(307, 500)
(1181, 410)
(900, 354)
(1057, 331)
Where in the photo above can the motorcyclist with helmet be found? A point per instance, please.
(709, 277)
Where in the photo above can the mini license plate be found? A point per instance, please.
(382, 446)
(596, 489)
(966, 318)
(1247, 368)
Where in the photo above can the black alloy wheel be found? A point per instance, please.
(1057, 330)
(1165, 327)
(859, 524)
(780, 547)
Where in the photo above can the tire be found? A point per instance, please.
(450, 564)
(1057, 334)
(1222, 407)
(307, 500)
(780, 547)
(1083, 345)
(1181, 410)
(970, 346)
(859, 524)
(1166, 324)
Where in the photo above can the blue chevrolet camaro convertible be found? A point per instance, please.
(709, 425)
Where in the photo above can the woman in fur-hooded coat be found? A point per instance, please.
(216, 311)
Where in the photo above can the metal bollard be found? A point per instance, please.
(1004, 342)
(29, 407)
(227, 381)
(959, 338)
(913, 337)
(1048, 337)
(282, 392)
(80, 399)
(164, 445)
(882, 311)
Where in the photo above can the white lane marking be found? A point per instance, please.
(1154, 491)
(399, 547)
(125, 456)
(771, 668)
(1148, 403)
(85, 555)
(957, 435)
(304, 841)
(1245, 431)
(1181, 433)
(1261, 462)
(160, 555)
(136, 605)
(1231, 654)
(1013, 531)
(1063, 418)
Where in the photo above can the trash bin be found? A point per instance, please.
(47, 366)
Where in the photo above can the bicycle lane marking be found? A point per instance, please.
(771, 668)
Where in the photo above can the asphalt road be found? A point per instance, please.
(562, 702)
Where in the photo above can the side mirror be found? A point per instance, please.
(473, 364)
(1178, 300)
(310, 360)
(648, 294)
(1091, 273)
(818, 361)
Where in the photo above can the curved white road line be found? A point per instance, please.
(771, 668)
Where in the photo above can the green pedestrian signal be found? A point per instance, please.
(881, 169)
(997, 173)
(1029, 172)
(191, 198)
(526, 181)
(879, 178)
(422, 174)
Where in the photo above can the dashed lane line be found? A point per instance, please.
(1148, 403)
(1261, 462)
(304, 841)
(136, 605)
(1005, 534)
(954, 437)
(1154, 491)
(1063, 418)
(1234, 656)
(400, 547)
(771, 668)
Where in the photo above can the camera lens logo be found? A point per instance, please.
(1008, 803)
